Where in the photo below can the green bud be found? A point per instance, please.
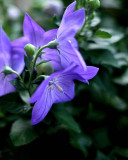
(30, 50)
(53, 44)
(45, 68)
(7, 70)
(94, 4)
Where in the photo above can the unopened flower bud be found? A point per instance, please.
(94, 4)
(45, 68)
(7, 70)
(30, 50)
(53, 44)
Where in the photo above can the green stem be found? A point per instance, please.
(21, 80)
(18, 76)
(40, 76)
(34, 62)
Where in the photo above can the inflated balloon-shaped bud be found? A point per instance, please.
(45, 68)
(30, 50)
(94, 4)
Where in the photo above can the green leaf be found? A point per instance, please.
(111, 4)
(102, 34)
(101, 156)
(116, 37)
(121, 151)
(96, 21)
(24, 96)
(22, 132)
(27, 62)
(107, 58)
(66, 120)
(81, 142)
(104, 57)
(103, 92)
(123, 79)
(17, 84)
(13, 104)
(101, 138)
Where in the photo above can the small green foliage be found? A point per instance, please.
(101, 156)
(81, 142)
(22, 132)
(67, 121)
(13, 104)
(102, 34)
(123, 79)
(17, 84)
(27, 62)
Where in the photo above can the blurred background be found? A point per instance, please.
(94, 126)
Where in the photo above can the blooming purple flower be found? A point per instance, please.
(11, 54)
(71, 22)
(59, 87)
(67, 44)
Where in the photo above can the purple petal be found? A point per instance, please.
(48, 94)
(71, 22)
(69, 71)
(53, 56)
(17, 63)
(5, 85)
(68, 54)
(69, 9)
(41, 108)
(89, 73)
(74, 42)
(40, 90)
(19, 43)
(33, 31)
(5, 49)
(18, 54)
(67, 85)
(49, 36)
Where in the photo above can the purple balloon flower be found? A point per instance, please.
(59, 87)
(11, 54)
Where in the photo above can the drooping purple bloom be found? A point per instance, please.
(59, 87)
(11, 54)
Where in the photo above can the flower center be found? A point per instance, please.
(53, 84)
